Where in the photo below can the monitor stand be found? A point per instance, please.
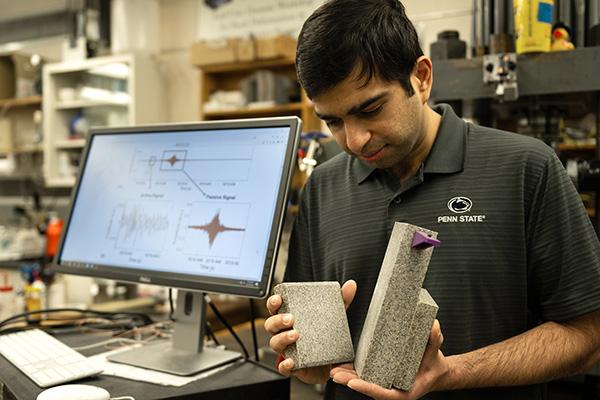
(185, 353)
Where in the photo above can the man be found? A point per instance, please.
(517, 277)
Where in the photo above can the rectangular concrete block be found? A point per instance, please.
(320, 319)
(418, 337)
(387, 327)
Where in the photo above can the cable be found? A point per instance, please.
(109, 341)
(229, 328)
(143, 319)
(211, 334)
(171, 308)
(254, 340)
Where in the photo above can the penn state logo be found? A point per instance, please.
(460, 204)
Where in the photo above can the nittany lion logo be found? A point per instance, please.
(460, 204)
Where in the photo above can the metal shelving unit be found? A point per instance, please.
(123, 89)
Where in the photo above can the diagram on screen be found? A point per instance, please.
(140, 226)
(199, 168)
(214, 229)
(173, 160)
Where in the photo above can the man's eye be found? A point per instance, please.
(371, 112)
(333, 122)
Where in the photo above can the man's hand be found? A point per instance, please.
(280, 326)
(433, 371)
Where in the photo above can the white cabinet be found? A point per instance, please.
(116, 90)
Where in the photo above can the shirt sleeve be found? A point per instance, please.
(299, 266)
(563, 249)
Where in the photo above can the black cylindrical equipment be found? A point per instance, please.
(477, 40)
(448, 46)
(593, 12)
(486, 22)
(579, 23)
(564, 13)
(500, 16)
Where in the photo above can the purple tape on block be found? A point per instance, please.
(422, 241)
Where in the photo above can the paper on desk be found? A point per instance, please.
(146, 375)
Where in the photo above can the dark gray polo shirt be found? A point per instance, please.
(517, 245)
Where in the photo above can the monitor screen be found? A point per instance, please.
(194, 206)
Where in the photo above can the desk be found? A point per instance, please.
(247, 380)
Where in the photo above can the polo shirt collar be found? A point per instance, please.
(447, 154)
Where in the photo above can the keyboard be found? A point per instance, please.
(44, 359)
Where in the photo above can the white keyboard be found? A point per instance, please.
(44, 359)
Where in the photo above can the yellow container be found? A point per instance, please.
(34, 299)
(533, 25)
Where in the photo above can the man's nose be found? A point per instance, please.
(357, 136)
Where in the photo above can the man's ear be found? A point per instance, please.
(423, 74)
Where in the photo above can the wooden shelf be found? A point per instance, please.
(69, 144)
(577, 147)
(231, 76)
(247, 66)
(16, 177)
(23, 150)
(22, 102)
(280, 109)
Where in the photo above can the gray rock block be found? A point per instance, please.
(320, 319)
(418, 337)
(387, 327)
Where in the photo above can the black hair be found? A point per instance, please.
(374, 35)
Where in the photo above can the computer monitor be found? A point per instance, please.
(195, 206)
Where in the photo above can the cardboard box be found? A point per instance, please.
(246, 50)
(222, 52)
(24, 75)
(7, 78)
(280, 46)
(6, 143)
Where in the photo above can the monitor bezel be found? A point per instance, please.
(185, 281)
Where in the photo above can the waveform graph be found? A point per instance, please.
(140, 226)
(173, 160)
(215, 229)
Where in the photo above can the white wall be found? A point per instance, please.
(178, 27)
(431, 17)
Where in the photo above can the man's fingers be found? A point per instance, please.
(433, 345)
(348, 292)
(375, 391)
(285, 367)
(342, 376)
(343, 367)
(273, 304)
(278, 323)
(282, 340)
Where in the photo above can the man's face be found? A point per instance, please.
(377, 123)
